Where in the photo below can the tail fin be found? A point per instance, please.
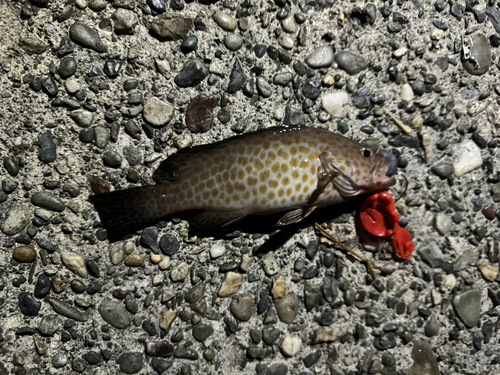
(126, 211)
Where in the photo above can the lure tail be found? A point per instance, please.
(126, 211)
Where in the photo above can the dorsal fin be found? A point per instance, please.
(168, 170)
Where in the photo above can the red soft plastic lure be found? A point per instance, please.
(379, 217)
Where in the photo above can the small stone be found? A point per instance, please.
(349, 62)
(67, 67)
(82, 117)
(115, 313)
(179, 272)
(49, 325)
(87, 37)
(488, 270)
(112, 159)
(28, 305)
(202, 331)
(291, 345)
(242, 307)
(32, 45)
(287, 308)
(264, 87)
(230, 285)
(199, 113)
(217, 250)
(279, 288)
(312, 358)
(480, 55)
(236, 79)
(442, 223)
(67, 310)
(333, 103)
(171, 26)
(467, 157)
(157, 112)
(431, 327)
(406, 92)
(321, 57)
(468, 307)
(135, 260)
(24, 254)
(124, 21)
(233, 42)
(189, 44)
(167, 318)
(424, 361)
(192, 73)
(225, 21)
(269, 264)
(47, 200)
(15, 220)
(131, 362)
(59, 360)
(169, 244)
(72, 85)
(326, 334)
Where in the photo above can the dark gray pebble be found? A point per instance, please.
(277, 369)
(169, 244)
(310, 272)
(49, 85)
(48, 148)
(78, 365)
(92, 357)
(187, 353)
(312, 358)
(112, 66)
(270, 334)
(130, 84)
(87, 135)
(311, 89)
(47, 200)
(149, 239)
(66, 47)
(192, 73)
(11, 164)
(293, 116)
(199, 113)
(189, 44)
(236, 79)
(43, 285)
(9, 186)
(350, 63)
(260, 50)
(112, 159)
(443, 171)
(28, 304)
(150, 328)
(67, 67)
(78, 286)
(49, 325)
(159, 349)
(312, 296)
(87, 37)
(131, 362)
(157, 6)
(202, 331)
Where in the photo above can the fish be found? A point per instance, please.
(293, 169)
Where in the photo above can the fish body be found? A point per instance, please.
(295, 168)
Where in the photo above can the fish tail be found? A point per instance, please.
(126, 211)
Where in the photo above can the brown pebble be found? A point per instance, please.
(489, 213)
(120, 293)
(24, 254)
(58, 284)
(135, 260)
(199, 117)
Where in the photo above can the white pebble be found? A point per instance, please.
(164, 263)
(467, 157)
(75, 263)
(406, 92)
(291, 345)
(217, 250)
(334, 102)
(179, 272)
(449, 283)
(72, 85)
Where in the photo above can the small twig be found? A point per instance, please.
(348, 249)
(398, 122)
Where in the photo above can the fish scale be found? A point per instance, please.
(284, 168)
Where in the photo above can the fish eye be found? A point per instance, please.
(366, 152)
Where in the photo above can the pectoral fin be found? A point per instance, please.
(326, 174)
(295, 216)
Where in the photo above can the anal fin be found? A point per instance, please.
(207, 220)
(295, 216)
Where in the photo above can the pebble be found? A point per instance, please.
(488, 270)
(59, 360)
(131, 362)
(334, 102)
(236, 79)
(32, 45)
(135, 260)
(480, 55)
(287, 308)
(124, 21)
(351, 63)
(264, 87)
(189, 44)
(192, 73)
(28, 305)
(291, 345)
(467, 157)
(311, 359)
(24, 254)
(115, 313)
(442, 223)
(67, 67)
(233, 42)
(217, 250)
(468, 307)
(171, 26)
(63, 308)
(279, 288)
(424, 361)
(86, 36)
(179, 272)
(431, 326)
(224, 21)
(269, 264)
(199, 113)
(242, 307)
(169, 244)
(202, 331)
(82, 118)
(48, 201)
(72, 85)
(11, 165)
(230, 285)
(49, 325)
(167, 318)
(157, 112)
(406, 92)
(326, 334)
(288, 24)
(15, 220)
(321, 57)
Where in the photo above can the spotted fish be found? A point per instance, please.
(293, 169)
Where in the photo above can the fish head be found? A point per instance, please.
(362, 170)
